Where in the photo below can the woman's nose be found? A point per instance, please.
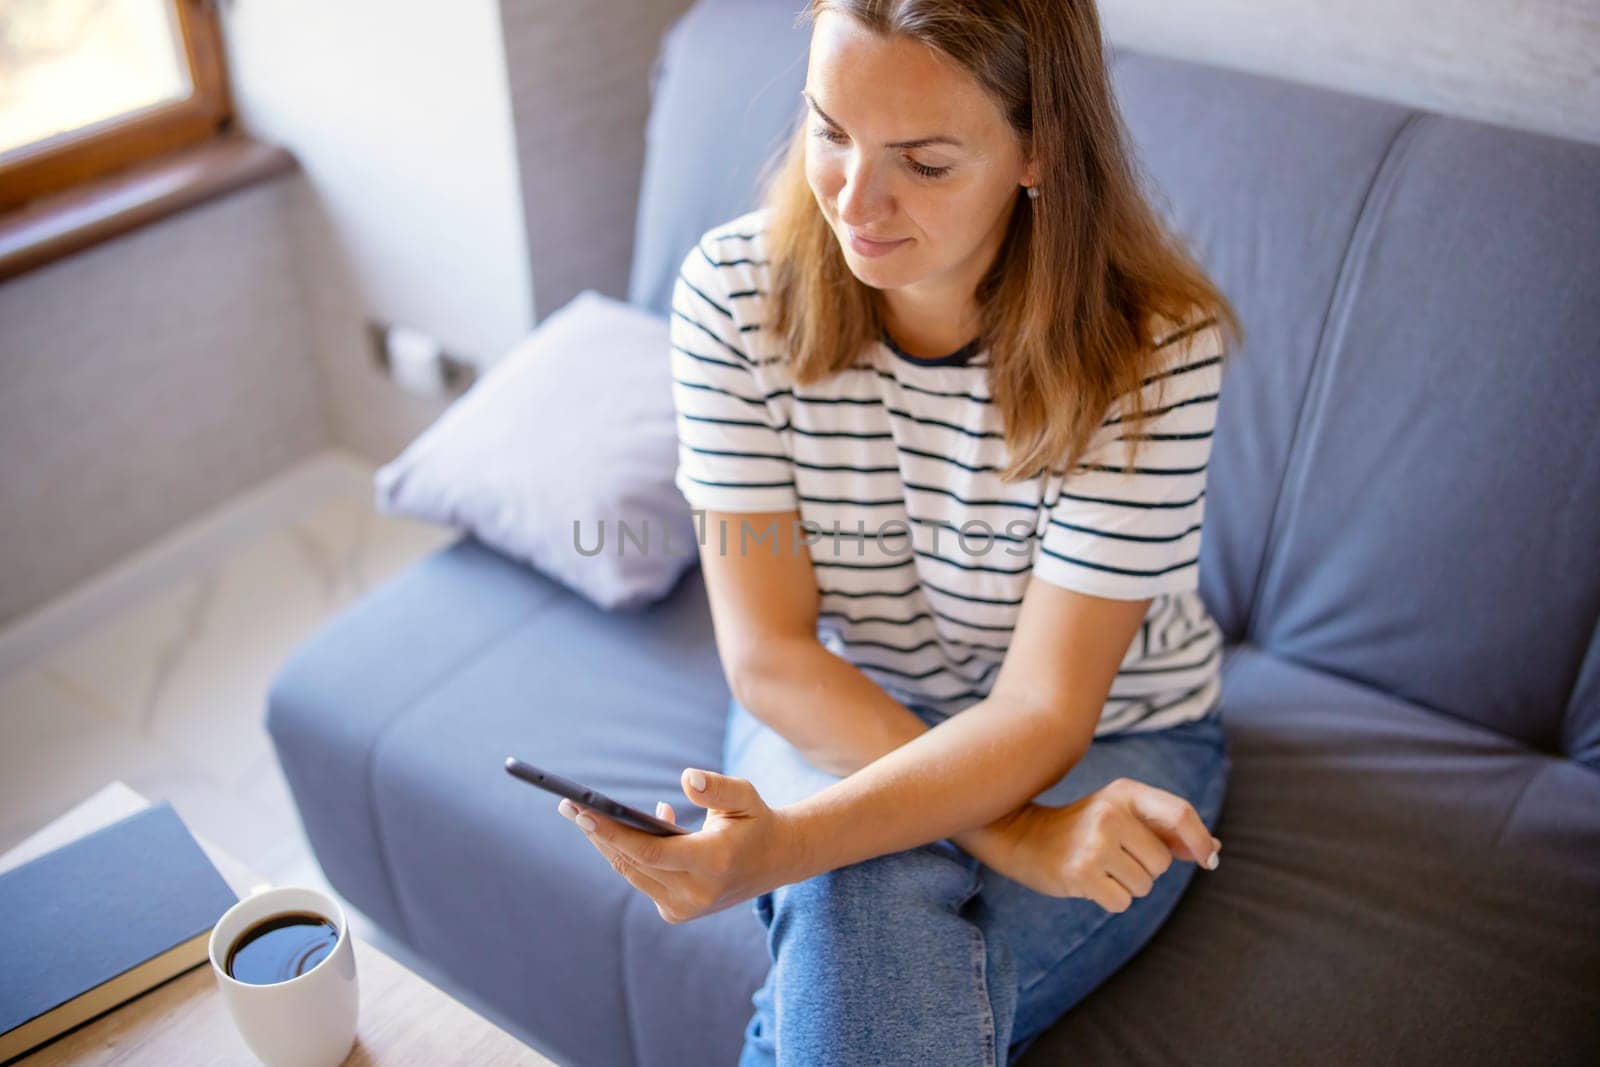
(863, 197)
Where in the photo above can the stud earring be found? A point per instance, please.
(1033, 192)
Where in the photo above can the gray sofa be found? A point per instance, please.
(1402, 545)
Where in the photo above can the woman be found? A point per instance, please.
(945, 401)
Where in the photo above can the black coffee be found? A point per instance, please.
(278, 948)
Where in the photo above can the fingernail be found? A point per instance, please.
(585, 822)
(1211, 862)
(661, 809)
(697, 781)
(566, 808)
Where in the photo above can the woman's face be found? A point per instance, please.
(870, 99)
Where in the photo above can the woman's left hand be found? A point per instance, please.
(1109, 846)
(743, 850)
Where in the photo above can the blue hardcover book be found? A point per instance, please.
(100, 920)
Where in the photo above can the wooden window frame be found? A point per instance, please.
(57, 164)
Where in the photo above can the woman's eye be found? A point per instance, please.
(834, 137)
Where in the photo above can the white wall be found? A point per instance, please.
(1529, 63)
(145, 381)
(411, 210)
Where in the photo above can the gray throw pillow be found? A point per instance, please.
(570, 434)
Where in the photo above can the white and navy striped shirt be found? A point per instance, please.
(888, 459)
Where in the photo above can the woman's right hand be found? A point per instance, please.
(1108, 847)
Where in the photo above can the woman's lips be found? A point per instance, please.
(874, 248)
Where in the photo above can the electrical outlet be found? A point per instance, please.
(417, 362)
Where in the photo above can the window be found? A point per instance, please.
(88, 87)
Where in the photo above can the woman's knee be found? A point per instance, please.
(877, 955)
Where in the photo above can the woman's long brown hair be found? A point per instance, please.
(1067, 305)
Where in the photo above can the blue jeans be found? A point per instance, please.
(927, 956)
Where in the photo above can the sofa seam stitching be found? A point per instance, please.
(1343, 286)
(1516, 802)
(630, 1017)
(1567, 741)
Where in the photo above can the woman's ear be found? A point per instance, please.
(1030, 170)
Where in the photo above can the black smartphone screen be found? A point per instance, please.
(591, 798)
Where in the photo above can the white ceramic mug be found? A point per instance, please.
(309, 1020)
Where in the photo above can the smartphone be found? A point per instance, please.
(591, 798)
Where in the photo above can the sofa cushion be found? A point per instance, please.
(565, 443)
(1396, 887)
(1265, 180)
(1436, 532)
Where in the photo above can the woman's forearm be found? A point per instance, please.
(839, 719)
(972, 769)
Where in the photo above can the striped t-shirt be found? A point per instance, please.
(887, 461)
